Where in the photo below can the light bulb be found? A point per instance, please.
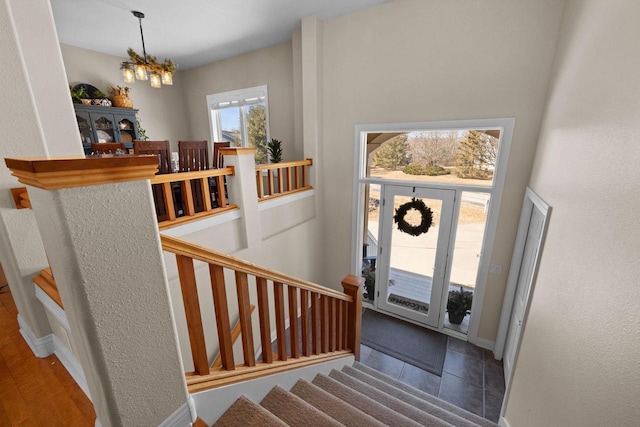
(167, 78)
(128, 75)
(155, 80)
(141, 72)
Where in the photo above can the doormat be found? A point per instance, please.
(410, 343)
(419, 306)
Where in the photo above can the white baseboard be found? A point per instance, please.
(502, 422)
(41, 347)
(484, 343)
(66, 357)
(71, 364)
(185, 415)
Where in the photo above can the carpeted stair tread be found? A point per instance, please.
(391, 402)
(425, 396)
(245, 413)
(294, 411)
(336, 408)
(409, 399)
(365, 404)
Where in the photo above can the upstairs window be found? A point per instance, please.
(241, 117)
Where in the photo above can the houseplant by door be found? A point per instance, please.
(458, 304)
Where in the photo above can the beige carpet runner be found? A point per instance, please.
(354, 397)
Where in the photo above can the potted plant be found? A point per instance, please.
(369, 275)
(79, 95)
(458, 304)
(274, 147)
(120, 96)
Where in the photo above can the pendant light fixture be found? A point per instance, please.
(146, 67)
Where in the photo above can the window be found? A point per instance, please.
(242, 118)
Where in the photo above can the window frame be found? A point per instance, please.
(242, 98)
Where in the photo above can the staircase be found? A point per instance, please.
(374, 399)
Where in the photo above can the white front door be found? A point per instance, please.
(523, 286)
(412, 269)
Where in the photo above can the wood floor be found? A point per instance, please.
(33, 391)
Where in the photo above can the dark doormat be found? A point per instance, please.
(410, 343)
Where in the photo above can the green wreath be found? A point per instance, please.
(414, 230)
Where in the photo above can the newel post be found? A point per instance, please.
(98, 226)
(243, 190)
(352, 286)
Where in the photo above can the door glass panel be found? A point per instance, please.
(370, 245)
(85, 129)
(413, 258)
(466, 258)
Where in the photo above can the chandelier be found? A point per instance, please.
(146, 67)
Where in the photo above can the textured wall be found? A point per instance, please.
(579, 362)
(28, 129)
(423, 60)
(104, 250)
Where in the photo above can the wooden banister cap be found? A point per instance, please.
(235, 151)
(78, 171)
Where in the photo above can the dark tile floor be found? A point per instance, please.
(471, 379)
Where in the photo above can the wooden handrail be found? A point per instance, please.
(197, 196)
(200, 253)
(291, 177)
(182, 176)
(333, 321)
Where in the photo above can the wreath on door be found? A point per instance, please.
(425, 213)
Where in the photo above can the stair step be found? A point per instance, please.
(363, 403)
(336, 408)
(294, 411)
(390, 402)
(245, 413)
(425, 396)
(409, 399)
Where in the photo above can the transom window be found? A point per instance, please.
(241, 117)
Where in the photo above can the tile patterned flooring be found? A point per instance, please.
(471, 379)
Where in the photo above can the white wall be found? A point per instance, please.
(272, 66)
(579, 363)
(162, 111)
(427, 60)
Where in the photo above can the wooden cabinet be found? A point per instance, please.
(106, 124)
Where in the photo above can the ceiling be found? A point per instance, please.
(190, 32)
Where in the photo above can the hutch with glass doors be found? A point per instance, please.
(106, 124)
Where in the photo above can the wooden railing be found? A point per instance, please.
(323, 324)
(186, 196)
(178, 197)
(282, 178)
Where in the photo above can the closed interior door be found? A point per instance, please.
(525, 278)
(412, 267)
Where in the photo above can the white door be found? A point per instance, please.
(523, 287)
(411, 268)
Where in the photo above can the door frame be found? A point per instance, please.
(506, 125)
(531, 200)
(386, 226)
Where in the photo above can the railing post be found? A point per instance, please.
(111, 278)
(242, 190)
(352, 286)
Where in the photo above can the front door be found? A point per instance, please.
(413, 263)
